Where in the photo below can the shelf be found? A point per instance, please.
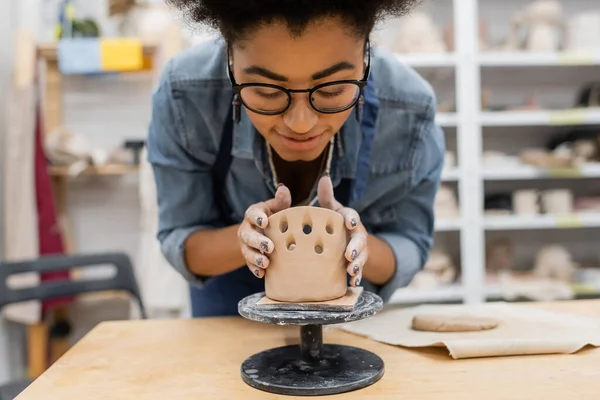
(524, 172)
(447, 225)
(49, 51)
(417, 295)
(569, 117)
(525, 222)
(429, 60)
(105, 170)
(528, 59)
(446, 119)
(450, 175)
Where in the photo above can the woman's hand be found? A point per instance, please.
(356, 251)
(254, 244)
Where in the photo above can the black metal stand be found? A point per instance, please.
(313, 368)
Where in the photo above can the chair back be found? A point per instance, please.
(123, 280)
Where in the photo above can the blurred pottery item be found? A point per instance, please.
(418, 34)
(446, 204)
(543, 21)
(584, 151)
(587, 204)
(525, 202)
(117, 7)
(499, 256)
(559, 201)
(498, 159)
(554, 262)
(449, 160)
(438, 271)
(308, 263)
(583, 32)
(589, 95)
(544, 159)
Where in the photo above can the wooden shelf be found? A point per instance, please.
(49, 51)
(105, 170)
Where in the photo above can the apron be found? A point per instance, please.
(219, 296)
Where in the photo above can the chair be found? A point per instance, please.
(123, 280)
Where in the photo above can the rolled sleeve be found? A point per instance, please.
(173, 248)
(183, 177)
(411, 236)
(409, 260)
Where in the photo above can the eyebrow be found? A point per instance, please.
(341, 66)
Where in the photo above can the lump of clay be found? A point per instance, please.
(446, 323)
(308, 262)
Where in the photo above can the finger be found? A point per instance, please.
(355, 281)
(254, 258)
(258, 272)
(355, 267)
(281, 201)
(357, 246)
(351, 217)
(325, 194)
(257, 216)
(256, 240)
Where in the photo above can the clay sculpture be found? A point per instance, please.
(308, 262)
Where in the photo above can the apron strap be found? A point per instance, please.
(220, 168)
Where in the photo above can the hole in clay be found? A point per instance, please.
(319, 247)
(283, 225)
(329, 228)
(290, 243)
(306, 224)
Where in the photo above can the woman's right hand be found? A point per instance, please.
(254, 244)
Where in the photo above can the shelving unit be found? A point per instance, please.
(104, 170)
(526, 59)
(526, 172)
(526, 222)
(471, 131)
(446, 120)
(51, 88)
(567, 117)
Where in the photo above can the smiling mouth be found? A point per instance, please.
(300, 144)
(301, 140)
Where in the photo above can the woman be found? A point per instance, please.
(292, 107)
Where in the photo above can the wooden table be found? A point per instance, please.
(200, 359)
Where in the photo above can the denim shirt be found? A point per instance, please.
(395, 156)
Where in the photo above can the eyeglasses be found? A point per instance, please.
(328, 98)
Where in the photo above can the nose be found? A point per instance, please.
(300, 117)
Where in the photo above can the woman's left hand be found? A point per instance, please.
(356, 251)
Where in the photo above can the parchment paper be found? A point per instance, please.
(523, 330)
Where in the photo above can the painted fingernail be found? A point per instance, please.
(325, 174)
(259, 261)
(357, 281)
(353, 222)
(356, 269)
(257, 272)
(264, 246)
(279, 185)
(354, 254)
(259, 221)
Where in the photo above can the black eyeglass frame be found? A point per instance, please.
(237, 88)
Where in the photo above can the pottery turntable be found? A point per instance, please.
(306, 285)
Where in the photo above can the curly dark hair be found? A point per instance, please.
(235, 19)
